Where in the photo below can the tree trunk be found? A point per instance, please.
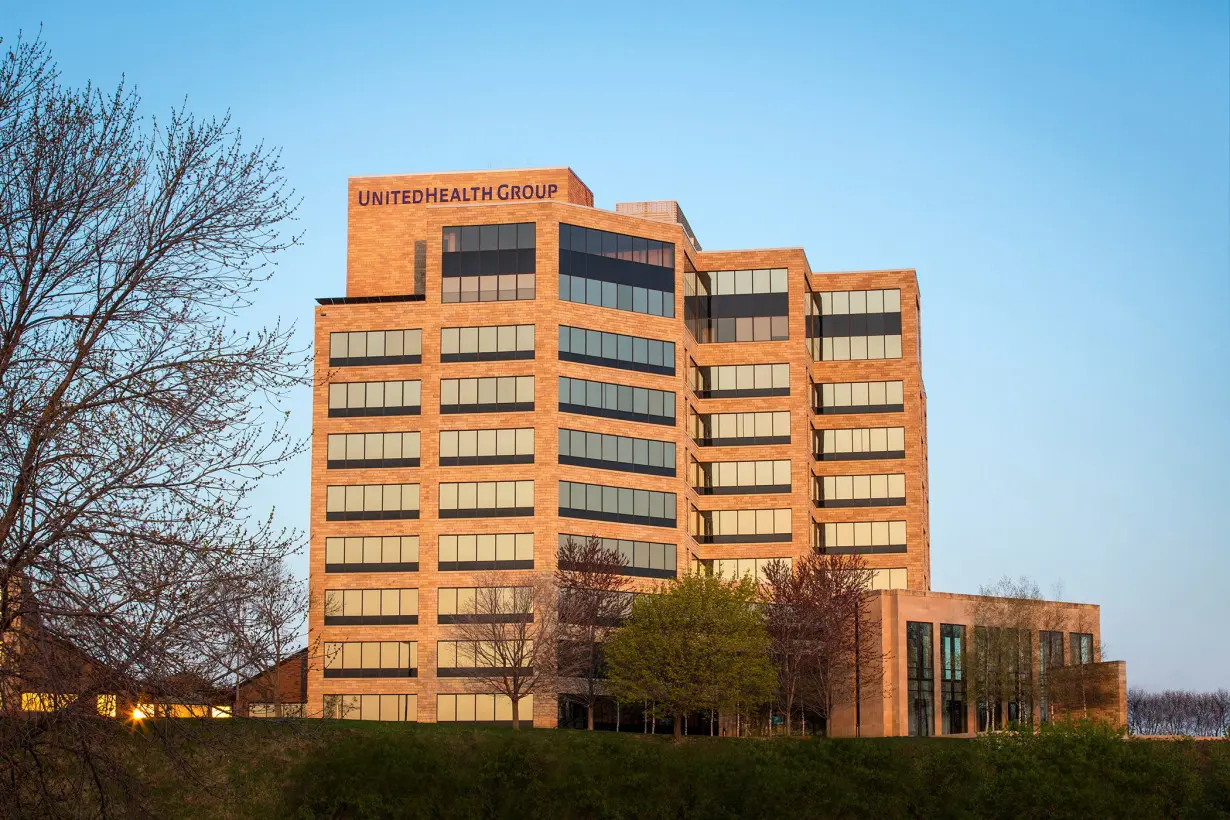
(677, 729)
(516, 710)
(789, 709)
(589, 717)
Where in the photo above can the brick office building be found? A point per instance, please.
(511, 365)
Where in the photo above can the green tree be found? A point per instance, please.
(699, 643)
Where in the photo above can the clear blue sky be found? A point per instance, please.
(1058, 173)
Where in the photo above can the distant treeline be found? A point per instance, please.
(1176, 712)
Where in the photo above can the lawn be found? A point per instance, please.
(305, 769)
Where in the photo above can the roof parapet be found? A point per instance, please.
(662, 210)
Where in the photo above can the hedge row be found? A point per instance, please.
(445, 772)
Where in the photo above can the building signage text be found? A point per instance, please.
(474, 193)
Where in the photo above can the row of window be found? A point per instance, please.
(371, 347)
(732, 568)
(388, 398)
(470, 238)
(489, 604)
(616, 401)
(731, 429)
(481, 551)
(459, 659)
(372, 553)
(881, 490)
(859, 348)
(371, 659)
(371, 707)
(616, 246)
(485, 250)
(486, 344)
(502, 446)
(502, 394)
(616, 350)
(370, 502)
(588, 291)
(604, 451)
(860, 397)
(834, 303)
(739, 380)
(616, 258)
(372, 607)
(735, 282)
(458, 708)
(741, 526)
(486, 499)
(503, 288)
(349, 450)
(860, 443)
(625, 505)
(726, 329)
(646, 559)
(729, 477)
(860, 537)
(486, 551)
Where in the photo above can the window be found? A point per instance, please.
(952, 678)
(486, 499)
(1082, 647)
(486, 344)
(860, 443)
(740, 429)
(881, 490)
(859, 397)
(920, 676)
(616, 271)
(352, 450)
(371, 502)
(861, 537)
(740, 477)
(616, 401)
(369, 347)
(860, 324)
(488, 263)
(488, 551)
(638, 353)
(737, 305)
(372, 553)
(270, 710)
(622, 504)
(643, 559)
(743, 567)
(889, 578)
(371, 659)
(488, 605)
(371, 607)
(482, 709)
(505, 394)
(740, 380)
(1050, 655)
(632, 455)
(741, 526)
(399, 398)
(371, 707)
(470, 659)
(481, 447)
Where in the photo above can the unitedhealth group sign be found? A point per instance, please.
(474, 193)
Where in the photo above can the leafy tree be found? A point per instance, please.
(699, 643)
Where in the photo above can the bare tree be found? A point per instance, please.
(1179, 713)
(263, 626)
(512, 629)
(1008, 616)
(824, 644)
(594, 601)
(134, 421)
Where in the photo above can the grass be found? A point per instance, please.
(308, 769)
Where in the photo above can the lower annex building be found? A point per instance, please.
(511, 366)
